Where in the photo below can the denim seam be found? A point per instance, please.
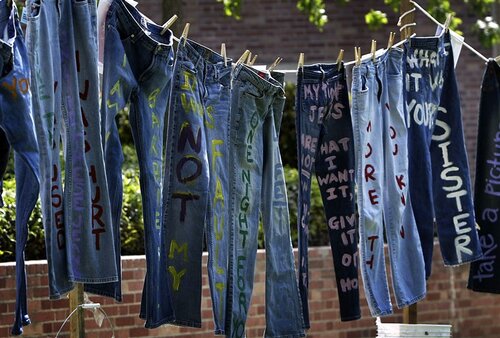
(413, 300)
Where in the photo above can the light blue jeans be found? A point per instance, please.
(257, 186)
(90, 240)
(16, 121)
(382, 175)
(45, 58)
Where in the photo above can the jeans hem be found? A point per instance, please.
(350, 318)
(219, 332)
(485, 290)
(382, 313)
(94, 280)
(287, 335)
(468, 260)
(118, 298)
(414, 300)
(59, 295)
(172, 321)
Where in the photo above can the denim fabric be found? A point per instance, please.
(45, 59)
(216, 102)
(257, 185)
(16, 122)
(4, 159)
(90, 241)
(382, 176)
(484, 273)
(326, 146)
(440, 183)
(196, 183)
(137, 72)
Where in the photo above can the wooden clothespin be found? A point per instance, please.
(301, 61)
(275, 64)
(223, 53)
(340, 58)
(392, 36)
(249, 59)
(447, 23)
(253, 60)
(374, 49)
(185, 33)
(243, 57)
(357, 55)
(497, 59)
(167, 24)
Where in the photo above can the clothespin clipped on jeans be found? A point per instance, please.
(340, 58)
(243, 57)
(251, 62)
(392, 36)
(374, 50)
(275, 64)
(168, 24)
(301, 61)
(223, 53)
(447, 23)
(185, 33)
(357, 55)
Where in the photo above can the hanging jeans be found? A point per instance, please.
(257, 185)
(382, 176)
(45, 58)
(485, 273)
(4, 159)
(90, 241)
(439, 173)
(137, 72)
(196, 196)
(326, 146)
(16, 122)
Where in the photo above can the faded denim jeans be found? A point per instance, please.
(382, 175)
(326, 147)
(16, 122)
(196, 195)
(257, 186)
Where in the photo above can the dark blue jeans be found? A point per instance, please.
(326, 147)
(439, 173)
(138, 64)
(196, 197)
(485, 273)
(16, 122)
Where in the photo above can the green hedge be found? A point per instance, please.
(132, 228)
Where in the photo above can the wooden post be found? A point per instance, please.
(409, 312)
(77, 321)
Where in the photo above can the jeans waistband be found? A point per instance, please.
(199, 54)
(244, 73)
(435, 43)
(138, 26)
(321, 71)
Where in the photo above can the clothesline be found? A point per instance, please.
(420, 8)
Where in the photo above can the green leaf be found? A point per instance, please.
(375, 19)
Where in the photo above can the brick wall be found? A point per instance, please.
(277, 28)
(448, 301)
